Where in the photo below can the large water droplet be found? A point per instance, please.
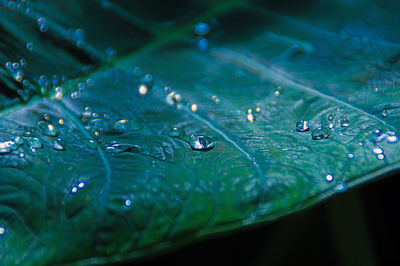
(47, 127)
(302, 126)
(201, 143)
(320, 133)
(7, 146)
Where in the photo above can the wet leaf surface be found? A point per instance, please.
(125, 133)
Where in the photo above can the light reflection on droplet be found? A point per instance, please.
(350, 155)
(128, 203)
(74, 190)
(2, 230)
(329, 177)
(81, 185)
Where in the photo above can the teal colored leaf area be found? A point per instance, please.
(133, 127)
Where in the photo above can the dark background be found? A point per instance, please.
(359, 227)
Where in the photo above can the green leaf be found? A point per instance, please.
(132, 129)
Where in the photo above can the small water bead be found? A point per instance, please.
(142, 90)
(258, 109)
(201, 143)
(21, 155)
(350, 155)
(216, 99)
(193, 108)
(75, 95)
(329, 177)
(124, 125)
(377, 150)
(250, 116)
(331, 126)
(380, 156)
(2, 230)
(74, 190)
(201, 28)
(302, 126)
(277, 93)
(202, 44)
(110, 52)
(58, 145)
(29, 46)
(120, 148)
(385, 113)
(48, 129)
(331, 117)
(34, 143)
(128, 203)
(176, 132)
(344, 122)
(320, 133)
(81, 185)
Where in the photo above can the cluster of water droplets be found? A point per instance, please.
(17, 5)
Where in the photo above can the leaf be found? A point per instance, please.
(101, 163)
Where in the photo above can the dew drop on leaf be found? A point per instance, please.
(176, 132)
(302, 126)
(344, 122)
(58, 145)
(385, 113)
(201, 143)
(320, 133)
(329, 177)
(34, 143)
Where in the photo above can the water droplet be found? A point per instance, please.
(2, 230)
(201, 143)
(74, 190)
(380, 156)
(385, 113)
(75, 95)
(120, 148)
(142, 90)
(21, 155)
(125, 125)
(250, 116)
(331, 117)
(302, 126)
(329, 177)
(344, 122)
(48, 128)
(350, 155)
(377, 150)
(331, 126)
(176, 132)
(258, 109)
(216, 99)
(193, 108)
(277, 93)
(7, 146)
(34, 143)
(81, 185)
(201, 28)
(202, 44)
(128, 203)
(341, 187)
(320, 133)
(58, 145)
